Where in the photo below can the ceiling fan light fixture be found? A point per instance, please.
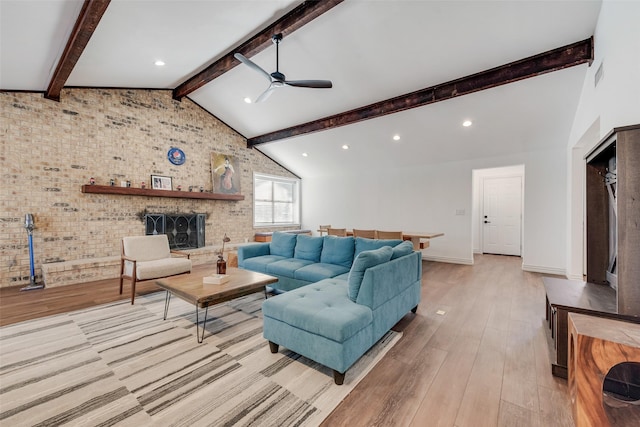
(467, 123)
(159, 63)
(345, 147)
(277, 79)
(396, 137)
(247, 100)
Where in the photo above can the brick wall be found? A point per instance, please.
(50, 149)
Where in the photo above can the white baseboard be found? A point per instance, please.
(575, 276)
(450, 260)
(542, 269)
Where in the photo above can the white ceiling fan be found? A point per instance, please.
(277, 79)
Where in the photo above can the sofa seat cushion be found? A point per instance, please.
(319, 271)
(338, 250)
(260, 263)
(322, 309)
(287, 267)
(146, 270)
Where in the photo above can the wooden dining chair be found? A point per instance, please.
(389, 235)
(367, 234)
(323, 228)
(342, 232)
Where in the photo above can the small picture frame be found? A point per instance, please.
(159, 182)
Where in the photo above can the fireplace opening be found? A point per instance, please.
(185, 231)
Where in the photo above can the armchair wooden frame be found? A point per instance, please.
(134, 273)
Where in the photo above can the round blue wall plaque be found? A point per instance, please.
(176, 156)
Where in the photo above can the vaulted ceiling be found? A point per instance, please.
(372, 51)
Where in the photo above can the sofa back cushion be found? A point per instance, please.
(308, 247)
(364, 260)
(338, 251)
(404, 248)
(282, 244)
(363, 244)
(146, 248)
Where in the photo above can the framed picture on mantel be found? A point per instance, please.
(159, 182)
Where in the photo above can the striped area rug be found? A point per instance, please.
(119, 364)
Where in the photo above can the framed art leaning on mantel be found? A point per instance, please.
(159, 182)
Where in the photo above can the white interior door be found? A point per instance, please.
(502, 215)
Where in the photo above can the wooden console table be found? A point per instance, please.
(574, 296)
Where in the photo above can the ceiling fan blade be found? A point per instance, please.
(318, 84)
(264, 95)
(246, 61)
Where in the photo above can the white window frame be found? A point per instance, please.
(296, 199)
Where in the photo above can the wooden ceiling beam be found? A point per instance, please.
(557, 59)
(88, 19)
(298, 17)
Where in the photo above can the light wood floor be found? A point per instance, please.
(484, 362)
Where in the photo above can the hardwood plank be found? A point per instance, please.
(481, 401)
(399, 408)
(516, 416)
(519, 384)
(442, 401)
(416, 325)
(555, 406)
(390, 394)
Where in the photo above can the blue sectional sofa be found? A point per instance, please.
(338, 295)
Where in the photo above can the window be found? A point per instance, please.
(276, 200)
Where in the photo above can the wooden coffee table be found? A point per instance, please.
(190, 288)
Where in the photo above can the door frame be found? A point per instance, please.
(478, 177)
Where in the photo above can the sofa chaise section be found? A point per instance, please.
(336, 320)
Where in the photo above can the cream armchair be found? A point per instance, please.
(149, 257)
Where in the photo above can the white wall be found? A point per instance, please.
(426, 199)
(616, 100)
(613, 103)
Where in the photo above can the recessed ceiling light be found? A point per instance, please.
(396, 137)
(345, 147)
(305, 155)
(247, 100)
(467, 123)
(159, 63)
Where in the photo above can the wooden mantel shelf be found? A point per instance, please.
(129, 191)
